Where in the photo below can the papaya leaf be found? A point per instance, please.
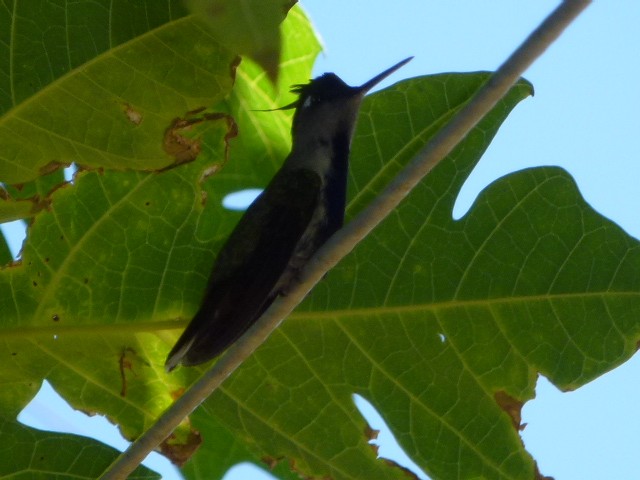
(442, 324)
(99, 87)
(30, 453)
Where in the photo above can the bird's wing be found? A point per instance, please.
(248, 267)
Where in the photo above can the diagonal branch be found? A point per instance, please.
(346, 239)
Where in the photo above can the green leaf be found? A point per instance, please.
(442, 324)
(110, 103)
(247, 27)
(111, 231)
(30, 453)
(11, 210)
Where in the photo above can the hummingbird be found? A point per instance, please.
(295, 214)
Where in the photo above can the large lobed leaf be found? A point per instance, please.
(443, 325)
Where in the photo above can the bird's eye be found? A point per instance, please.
(307, 102)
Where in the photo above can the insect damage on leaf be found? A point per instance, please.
(184, 143)
(180, 452)
(371, 433)
(133, 115)
(271, 462)
(512, 407)
(52, 167)
(128, 356)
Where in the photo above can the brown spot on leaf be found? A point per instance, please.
(271, 462)
(127, 358)
(181, 148)
(55, 317)
(301, 474)
(176, 394)
(51, 167)
(180, 453)
(407, 473)
(132, 114)
(513, 408)
(125, 364)
(371, 433)
(184, 149)
(207, 172)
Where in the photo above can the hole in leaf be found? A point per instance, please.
(14, 233)
(49, 411)
(241, 199)
(69, 172)
(388, 446)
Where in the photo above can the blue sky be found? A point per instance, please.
(583, 117)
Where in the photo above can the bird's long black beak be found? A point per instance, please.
(362, 89)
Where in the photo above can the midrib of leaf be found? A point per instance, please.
(94, 329)
(456, 303)
(156, 326)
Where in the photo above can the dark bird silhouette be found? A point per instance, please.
(300, 209)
